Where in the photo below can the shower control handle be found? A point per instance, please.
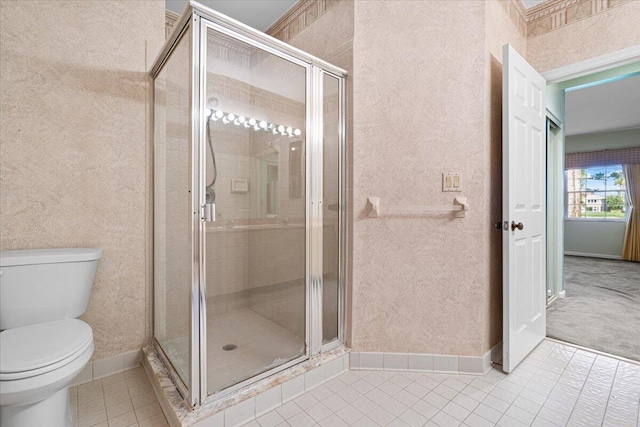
(519, 226)
(208, 212)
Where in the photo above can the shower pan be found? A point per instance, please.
(249, 205)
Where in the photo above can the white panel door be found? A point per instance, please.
(523, 207)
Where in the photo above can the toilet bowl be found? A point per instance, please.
(38, 364)
(42, 346)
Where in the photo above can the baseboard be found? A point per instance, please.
(111, 365)
(422, 362)
(590, 255)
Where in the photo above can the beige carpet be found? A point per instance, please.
(602, 307)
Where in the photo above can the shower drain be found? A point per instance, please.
(229, 347)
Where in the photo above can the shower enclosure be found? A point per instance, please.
(248, 205)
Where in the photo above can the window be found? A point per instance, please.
(596, 192)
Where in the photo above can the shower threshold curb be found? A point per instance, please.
(224, 412)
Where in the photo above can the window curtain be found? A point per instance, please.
(590, 159)
(631, 248)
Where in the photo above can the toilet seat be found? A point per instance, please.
(34, 350)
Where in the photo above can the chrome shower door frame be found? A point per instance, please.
(201, 19)
(211, 23)
(342, 216)
(191, 392)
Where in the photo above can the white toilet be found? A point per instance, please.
(42, 346)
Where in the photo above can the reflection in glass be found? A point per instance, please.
(296, 170)
(172, 208)
(331, 211)
(255, 250)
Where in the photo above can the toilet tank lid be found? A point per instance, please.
(48, 256)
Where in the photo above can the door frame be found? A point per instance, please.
(562, 74)
(555, 207)
(593, 65)
(630, 55)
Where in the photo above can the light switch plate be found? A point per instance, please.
(451, 182)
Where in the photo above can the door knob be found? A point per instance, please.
(519, 226)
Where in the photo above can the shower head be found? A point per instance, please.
(212, 103)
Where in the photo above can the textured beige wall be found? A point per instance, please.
(605, 32)
(427, 95)
(73, 133)
(420, 285)
(72, 161)
(421, 87)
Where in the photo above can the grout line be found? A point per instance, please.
(582, 388)
(610, 391)
(553, 368)
(133, 380)
(556, 381)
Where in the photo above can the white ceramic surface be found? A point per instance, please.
(45, 285)
(43, 348)
(48, 344)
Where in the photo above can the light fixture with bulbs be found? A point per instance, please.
(251, 123)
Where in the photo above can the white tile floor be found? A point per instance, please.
(557, 385)
(124, 399)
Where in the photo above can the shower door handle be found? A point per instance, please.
(208, 212)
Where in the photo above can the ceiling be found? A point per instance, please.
(259, 14)
(613, 105)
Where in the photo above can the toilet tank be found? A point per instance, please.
(44, 285)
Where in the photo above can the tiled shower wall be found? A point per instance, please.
(264, 270)
(252, 260)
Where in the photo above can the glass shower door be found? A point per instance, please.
(173, 218)
(256, 109)
(331, 169)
